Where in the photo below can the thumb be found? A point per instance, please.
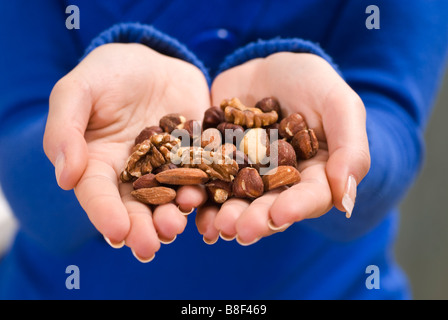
(344, 124)
(64, 142)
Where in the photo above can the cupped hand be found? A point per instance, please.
(95, 113)
(307, 84)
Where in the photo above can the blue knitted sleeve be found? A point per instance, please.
(264, 48)
(149, 36)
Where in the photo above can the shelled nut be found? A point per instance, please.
(305, 144)
(281, 176)
(230, 132)
(182, 176)
(155, 195)
(211, 139)
(147, 133)
(172, 121)
(281, 153)
(292, 124)
(213, 116)
(248, 184)
(269, 104)
(254, 144)
(146, 181)
(219, 190)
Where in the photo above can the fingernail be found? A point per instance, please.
(226, 237)
(59, 166)
(167, 241)
(246, 243)
(114, 245)
(348, 200)
(185, 213)
(141, 259)
(273, 227)
(210, 242)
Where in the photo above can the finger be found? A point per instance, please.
(205, 218)
(142, 237)
(190, 197)
(310, 198)
(252, 225)
(344, 123)
(227, 216)
(169, 222)
(64, 143)
(98, 194)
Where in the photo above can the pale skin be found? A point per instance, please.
(98, 108)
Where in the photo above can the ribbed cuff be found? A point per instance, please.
(149, 36)
(264, 48)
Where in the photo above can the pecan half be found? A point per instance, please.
(238, 113)
(149, 154)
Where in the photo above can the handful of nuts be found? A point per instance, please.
(236, 151)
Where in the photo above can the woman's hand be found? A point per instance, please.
(96, 111)
(307, 84)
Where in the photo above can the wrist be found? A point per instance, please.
(149, 37)
(265, 48)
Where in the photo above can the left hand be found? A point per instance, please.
(307, 84)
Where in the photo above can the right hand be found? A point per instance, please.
(95, 113)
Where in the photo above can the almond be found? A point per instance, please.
(155, 195)
(146, 181)
(281, 176)
(182, 176)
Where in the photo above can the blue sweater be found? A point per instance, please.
(396, 70)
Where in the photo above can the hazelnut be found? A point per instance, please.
(219, 190)
(254, 144)
(193, 127)
(212, 117)
(269, 104)
(147, 133)
(172, 121)
(190, 132)
(292, 124)
(211, 139)
(248, 184)
(273, 131)
(281, 153)
(230, 132)
(305, 144)
(164, 167)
